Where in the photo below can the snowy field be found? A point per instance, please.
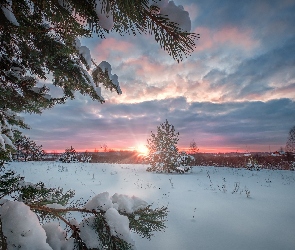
(210, 208)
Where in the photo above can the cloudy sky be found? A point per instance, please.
(236, 92)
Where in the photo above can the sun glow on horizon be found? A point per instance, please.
(142, 149)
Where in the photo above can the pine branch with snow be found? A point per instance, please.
(8, 119)
(26, 149)
(147, 220)
(8, 183)
(29, 220)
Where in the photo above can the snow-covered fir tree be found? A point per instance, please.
(164, 155)
(290, 145)
(70, 155)
(85, 157)
(26, 149)
(163, 151)
(253, 165)
(186, 161)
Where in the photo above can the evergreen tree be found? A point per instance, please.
(27, 149)
(86, 157)
(186, 162)
(193, 149)
(69, 155)
(290, 145)
(163, 151)
(7, 120)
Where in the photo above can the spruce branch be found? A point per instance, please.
(171, 38)
(145, 221)
(64, 210)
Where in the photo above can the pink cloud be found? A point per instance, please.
(156, 80)
(279, 91)
(103, 50)
(146, 67)
(225, 36)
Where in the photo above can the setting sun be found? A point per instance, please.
(142, 149)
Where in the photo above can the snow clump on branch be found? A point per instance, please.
(120, 202)
(21, 227)
(84, 51)
(176, 14)
(105, 66)
(56, 237)
(7, 10)
(119, 225)
(104, 14)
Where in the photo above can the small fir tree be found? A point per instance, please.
(193, 149)
(290, 145)
(69, 155)
(163, 151)
(253, 165)
(85, 157)
(186, 162)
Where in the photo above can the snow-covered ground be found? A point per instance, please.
(210, 208)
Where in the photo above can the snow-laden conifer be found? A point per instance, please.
(290, 145)
(163, 151)
(26, 149)
(163, 155)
